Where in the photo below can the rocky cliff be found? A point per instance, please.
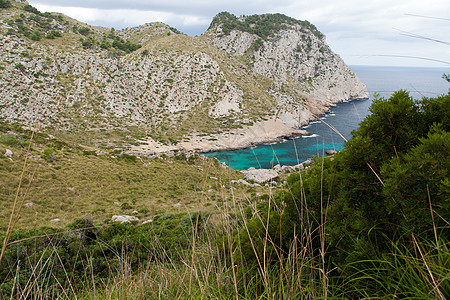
(307, 76)
(153, 82)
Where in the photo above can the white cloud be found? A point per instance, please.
(353, 28)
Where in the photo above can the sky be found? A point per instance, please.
(372, 32)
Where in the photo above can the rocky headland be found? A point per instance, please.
(155, 89)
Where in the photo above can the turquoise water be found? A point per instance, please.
(345, 117)
(292, 152)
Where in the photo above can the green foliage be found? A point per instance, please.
(252, 237)
(127, 157)
(126, 46)
(257, 44)
(108, 41)
(261, 25)
(31, 9)
(418, 179)
(12, 140)
(89, 43)
(36, 36)
(53, 34)
(398, 142)
(84, 31)
(375, 193)
(49, 155)
(47, 255)
(105, 44)
(5, 4)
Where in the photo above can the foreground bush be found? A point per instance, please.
(389, 186)
(85, 255)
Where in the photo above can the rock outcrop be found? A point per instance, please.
(153, 81)
(307, 76)
(260, 175)
(123, 219)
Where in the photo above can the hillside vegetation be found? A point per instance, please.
(371, 221)
(151, 81)
(263, 26)
(72, 181)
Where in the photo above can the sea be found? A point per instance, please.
(344, 117)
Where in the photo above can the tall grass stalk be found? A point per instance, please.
(14, 216)
(204, 272)
(209, 269)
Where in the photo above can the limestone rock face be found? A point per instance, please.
(134, 90)
(174, 85)
(307, 76)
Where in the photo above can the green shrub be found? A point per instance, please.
(5, 4)
(31, 9)
(49, 155)
(86, 252)
(36, 35)
(417, 180)
(11, 140)
(376, 192)
(53, 34)
(84, 31)
(89, 43)
(105, 44)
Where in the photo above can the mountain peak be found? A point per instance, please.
(263, 26)
(152, 81)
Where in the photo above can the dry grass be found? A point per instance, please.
(76, 183)
(207, 268)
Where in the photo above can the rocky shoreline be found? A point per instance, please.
(264, 132)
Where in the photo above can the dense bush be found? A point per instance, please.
(126, 46)
(31, 9)
(69, 258)
(53, 34)
(109, 41)
(261, 25)
(5, 4)
(372, 196)
(84, 31)
(88, 43)
(36, 35)
(403, 142)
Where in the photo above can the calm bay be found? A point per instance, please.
(345, 117)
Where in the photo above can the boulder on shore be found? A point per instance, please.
(330, 152)
(260, 175)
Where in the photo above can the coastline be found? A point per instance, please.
(260, 133)
(263, 132)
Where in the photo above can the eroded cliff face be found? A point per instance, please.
(307, 76)
(136, 90)
(170, 86)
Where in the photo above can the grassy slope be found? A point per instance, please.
(74, 182)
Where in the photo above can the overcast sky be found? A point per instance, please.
(362, 32)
